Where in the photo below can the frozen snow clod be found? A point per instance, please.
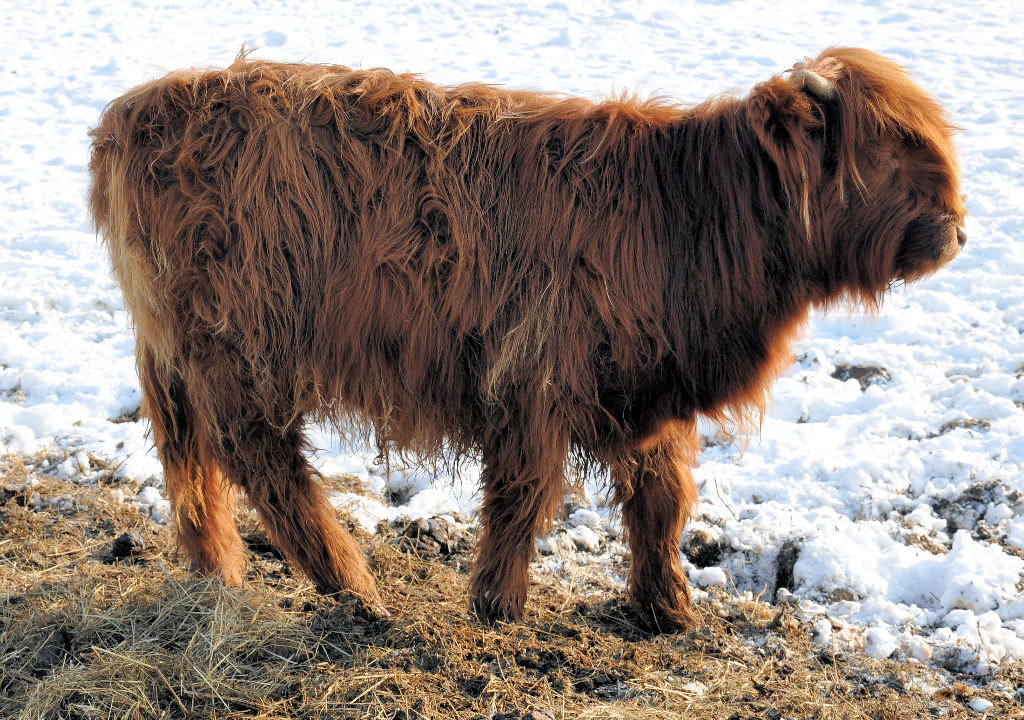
(83, 463)
(585, 538)
(584, 517)
(979, 704)
(879, 642)
(710, 577)
(67, 469)
(823, 632)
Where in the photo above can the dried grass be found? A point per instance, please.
(82, 636)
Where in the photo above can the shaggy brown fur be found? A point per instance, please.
(535, 279)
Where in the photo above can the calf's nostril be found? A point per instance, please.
(961, 236)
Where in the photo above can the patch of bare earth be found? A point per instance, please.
(90, 630)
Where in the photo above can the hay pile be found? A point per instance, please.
(84, 634)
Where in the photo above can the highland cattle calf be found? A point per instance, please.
(539, 281)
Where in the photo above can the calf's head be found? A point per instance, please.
(866, 158)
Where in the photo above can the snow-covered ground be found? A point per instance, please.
(901, 501)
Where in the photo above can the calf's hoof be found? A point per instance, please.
(231, 570)
(665, 615)
(369, 600)
(491, 607)
(356, 582)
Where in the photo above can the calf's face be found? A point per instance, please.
(890, 189)
(933, 234)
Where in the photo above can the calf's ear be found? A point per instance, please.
(786, 116)
(783, 116)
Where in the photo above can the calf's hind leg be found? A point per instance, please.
(268, 462)
(655, 487)
(201, 499)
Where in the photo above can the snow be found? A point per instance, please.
(903, 497)
(879, 642)
(709, 577)
(979, 704)
(585, 538)
(822, 632)
(585, 517)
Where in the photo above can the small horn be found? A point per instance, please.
(815, 84)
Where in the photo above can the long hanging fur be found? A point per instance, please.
(536, 279)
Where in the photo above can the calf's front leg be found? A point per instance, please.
(655, 487)
(524, 483)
